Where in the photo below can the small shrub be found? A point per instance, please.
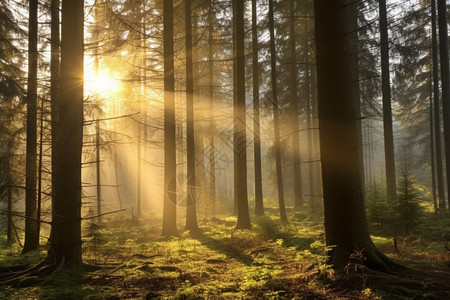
(409, 211)
(268, 228)
(94, 239)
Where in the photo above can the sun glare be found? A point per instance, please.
(102, 83)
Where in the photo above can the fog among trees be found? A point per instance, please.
(207, 149)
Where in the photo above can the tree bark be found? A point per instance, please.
(191, 212)
(98, 169)
(54, 91)
(316, 202)
(169, 227)
(39, 167)
(259, 205)
(10, 225)
(298, 193)
(391, 184)
(437, 111)
(96, 37)
(346, 227)
(310, 115)
(445, 78)
(353, 51)
(31, 222)
(212, 150)
(240, 137)
(65, 246)
(142, 128)
(276, 117)
(433, 160)
(138, 168)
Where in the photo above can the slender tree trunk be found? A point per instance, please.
(346, 227)
(191, 213)
(276, 116)
(433, 160)
(431, 115)
(9, 229)
(437, 110)
(235, 169)
(298, 193)
(391, 185)
(39, 179)
(10, 225)
(240, 137)
(139, 169)
(309, 126)
(259, 205)
(54, 92)
(31, 222)
(318, 190)
(65, 246)
(96, 37)
(445, 78)
(200, 172)
(212, 148)
(169, 227)
(116, 172)
(353, 50)
(142, 127)
(116, 159)
(98, 169)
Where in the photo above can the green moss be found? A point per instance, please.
(270, 261)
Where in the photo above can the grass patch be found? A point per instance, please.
(127, 259)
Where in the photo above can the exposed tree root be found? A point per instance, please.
(372, 259)
(30, 275)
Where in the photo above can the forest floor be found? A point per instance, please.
(127, 259)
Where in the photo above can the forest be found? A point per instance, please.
(224, 149)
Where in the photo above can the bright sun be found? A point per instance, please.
(102, 83)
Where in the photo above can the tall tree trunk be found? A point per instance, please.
(169, 226)
(10, 225)
(391, 184)
(191, 212)
(98, 169)
(445, 78)
(259, 205)
(138, 168)
(316, 201)
(200, 172)
(39, 167)
(240, 137)
(433, 160)
(65, 246)
(212, 148)
(116, 158)
(54, 91)
(294, 103)
(235, 169)
(96, 37)
(346, 227)
(437, 111)
(310, 123)
(142, 127)
(31, 221)
(309, 126)
(276, 116)
(353, 50)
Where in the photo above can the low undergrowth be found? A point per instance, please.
(127, 259)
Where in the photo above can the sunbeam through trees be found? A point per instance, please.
(233, 149)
